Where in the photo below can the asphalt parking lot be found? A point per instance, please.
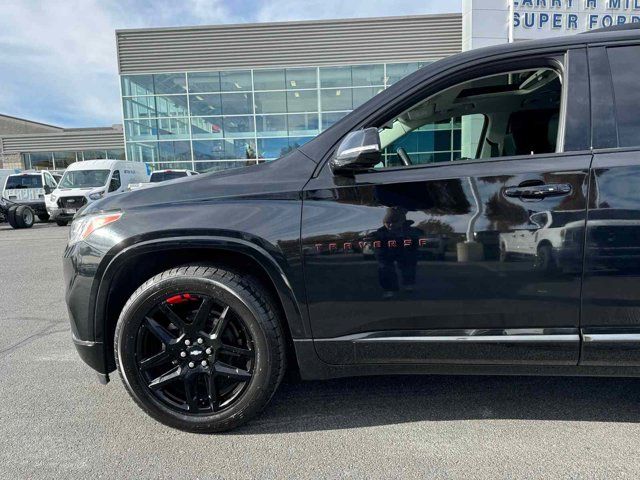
(56, 421)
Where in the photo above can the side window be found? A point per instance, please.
(115, 181)
(625, 71)
(510, 114)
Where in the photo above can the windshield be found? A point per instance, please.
(24, 181)
(84, 179)
(164, 176)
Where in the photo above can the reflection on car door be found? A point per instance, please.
(379, 293)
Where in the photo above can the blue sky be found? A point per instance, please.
(58, 59)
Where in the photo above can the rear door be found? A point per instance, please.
(611, 295)
(406, 264)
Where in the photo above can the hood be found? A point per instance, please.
(286, 175)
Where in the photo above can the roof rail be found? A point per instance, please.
(615, 28)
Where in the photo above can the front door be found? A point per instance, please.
(453, 250)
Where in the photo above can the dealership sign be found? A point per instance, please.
(531, 19)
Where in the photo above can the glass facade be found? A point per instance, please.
(60, 160)
(218, 120)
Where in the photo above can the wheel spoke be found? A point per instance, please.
(159, 331)
(221, 323)
(166, 378)
(191, 391)
(155, 360)
(172, 316)
(200, 320)
(238, 351)
(212, 392)
(234, 373)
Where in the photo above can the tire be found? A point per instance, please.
(504, 256)
(62, 223)
(249, 309)
(24, 217)
(544, 259)
(11, 216)
(44, 217)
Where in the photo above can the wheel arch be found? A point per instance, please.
(129, 268)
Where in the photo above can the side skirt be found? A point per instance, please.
(521, 346)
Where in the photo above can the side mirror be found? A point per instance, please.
(47, 189)
(360, 150)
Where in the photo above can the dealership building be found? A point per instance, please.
(216, 97)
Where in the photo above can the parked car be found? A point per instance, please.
(159, 176)
(88, 181)
(203, 291)
(542, 239)
(30, 188)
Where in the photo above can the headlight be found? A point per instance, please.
(85, 226)
(96, 195)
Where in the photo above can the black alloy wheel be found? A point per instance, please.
(200, 348)
(194, 353)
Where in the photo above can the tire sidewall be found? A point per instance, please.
(251, 399)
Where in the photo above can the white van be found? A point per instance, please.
(88, 181)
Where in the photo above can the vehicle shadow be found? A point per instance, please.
(377, 401)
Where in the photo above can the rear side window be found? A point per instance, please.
(24, 181)
(625, 71)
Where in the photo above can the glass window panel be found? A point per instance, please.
(205, 104)
(271, 125)
(170, 83)
(94, 154)
(329, 119)
(174, 165)
(235, 81)
(115, 154)
(174, 151)
(173, 128)
(271, 102)
(365, 75)
(302, 101)
(237, 103)
(139, 107)
(397, 71)
(240, 148)
(133, 85)
(173, 106)
(141, 152)
(336, 99)
(457, 139)
(303, 124)
(361, 95)
(238, 126)
(206, 127)
(64, 159)
(272, 147)
(335, 77)
(301, 78)
(296, 142)
(204, 82)
(208, 150)
(268, 79)
(205, 167)
(141, 129)
(41, 161)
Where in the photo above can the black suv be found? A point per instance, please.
(514, 249)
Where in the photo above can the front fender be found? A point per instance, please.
(298, 323)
